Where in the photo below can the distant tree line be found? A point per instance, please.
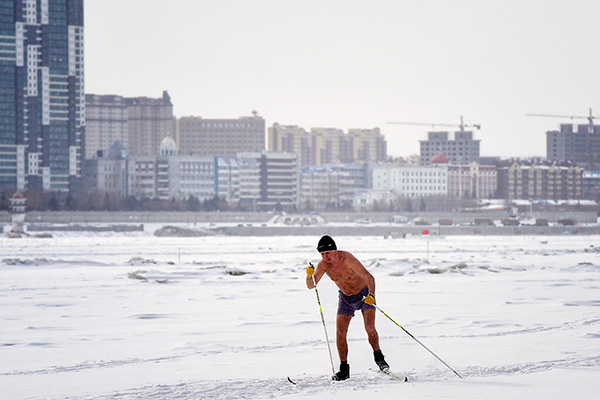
(97, 200)
(434, 203)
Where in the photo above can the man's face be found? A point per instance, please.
(328, 255)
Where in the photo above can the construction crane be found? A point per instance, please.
(462, 124)
(590, 118)
(462, 127)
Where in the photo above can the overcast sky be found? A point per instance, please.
(357, 64)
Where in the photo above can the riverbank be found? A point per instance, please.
(338, 224)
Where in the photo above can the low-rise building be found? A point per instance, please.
(107, 172)
(370, 199)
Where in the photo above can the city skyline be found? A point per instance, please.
(356, 65)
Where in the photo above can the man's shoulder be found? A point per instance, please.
(343, 254)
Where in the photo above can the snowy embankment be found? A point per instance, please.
(140, 317)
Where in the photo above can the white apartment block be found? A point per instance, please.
(191, 176)
(175, 177)
(320, 188)
(250, 187)
(411, 181)
(332, 185)
(227, 179)
(277, 183)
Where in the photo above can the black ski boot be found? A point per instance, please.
(380, 361)
(343, 373)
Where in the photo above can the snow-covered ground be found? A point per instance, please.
(132, 316)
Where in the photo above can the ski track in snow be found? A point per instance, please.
(323, 385)
(309, 345)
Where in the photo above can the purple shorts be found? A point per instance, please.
(347, 305)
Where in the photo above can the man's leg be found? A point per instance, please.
(369, 319)
(342, 322)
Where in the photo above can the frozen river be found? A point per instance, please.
(140, 317)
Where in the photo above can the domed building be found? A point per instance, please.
(439, 159)
(168, 147)
(117, 151)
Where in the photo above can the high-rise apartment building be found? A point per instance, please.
(42, 106)
(462, 150)
(220, 137)
(366, 145)
(106, 123)
(139, 123)
(294, 139)
(581, 146)
(149, 120)
(328, 145)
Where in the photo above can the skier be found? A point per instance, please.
(355, 283)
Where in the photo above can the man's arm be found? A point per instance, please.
(317, 275)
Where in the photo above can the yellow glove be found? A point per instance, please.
(370, 299)
(310, 270)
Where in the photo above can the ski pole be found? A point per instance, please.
(323, 320)
(417, 340)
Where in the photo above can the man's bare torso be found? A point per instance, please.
(342, 273)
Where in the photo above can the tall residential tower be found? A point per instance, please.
(42, 105)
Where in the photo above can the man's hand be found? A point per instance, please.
(310, 270)
(369, 299)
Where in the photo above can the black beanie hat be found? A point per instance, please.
(326, 244)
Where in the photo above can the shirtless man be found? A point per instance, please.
(355, 284)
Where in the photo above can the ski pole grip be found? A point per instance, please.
(369, 299)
